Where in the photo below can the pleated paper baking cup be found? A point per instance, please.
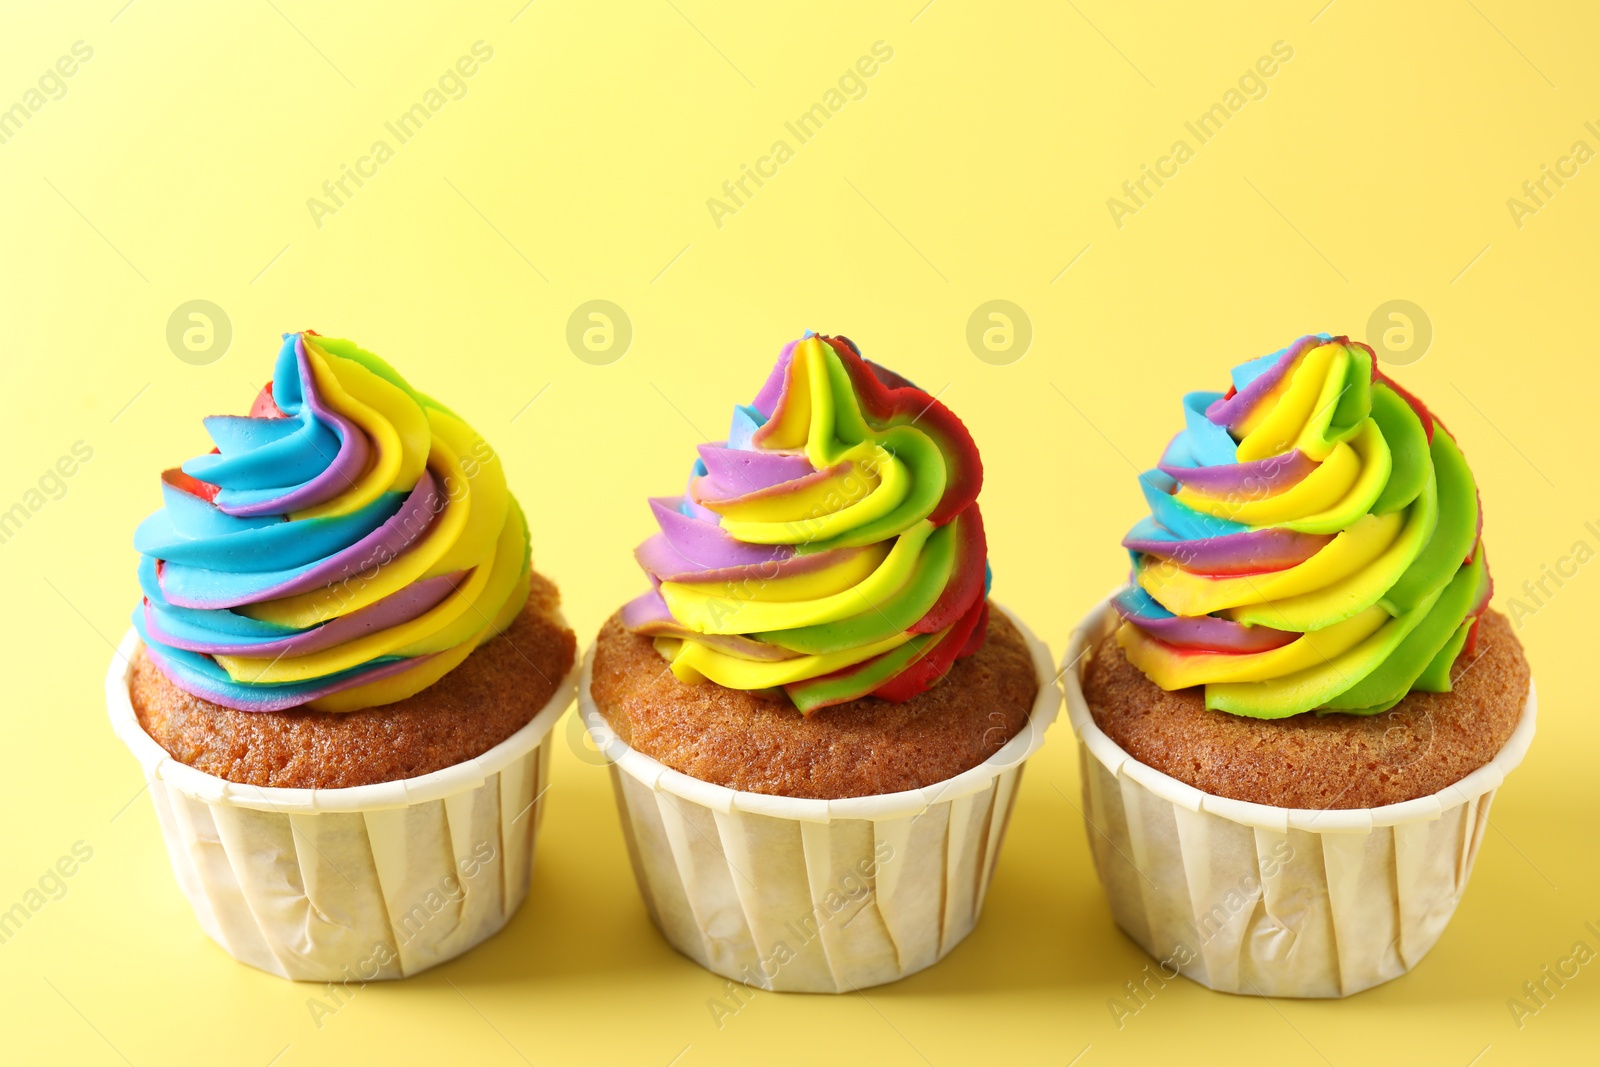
(817, 896)
(1283, 902)
(357, 884)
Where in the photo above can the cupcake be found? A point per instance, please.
(816, 719)
(1294, 717)
(341, 674)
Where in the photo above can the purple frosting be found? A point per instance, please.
(1204, 632)
(658, 557)
(1232, 410)
(1249, 552)
(414, 600)
(707, 495)
(291, 698)
(734, 472)
(703, 544)
(767, 400)
(648, 614)
(1254, 480)
(377, 549)
(335, 478)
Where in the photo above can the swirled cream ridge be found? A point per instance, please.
(831, 546)
(1314, 542)
(345, 545)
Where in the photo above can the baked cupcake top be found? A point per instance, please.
(1313, 542)
(344, 545)
(831, 546)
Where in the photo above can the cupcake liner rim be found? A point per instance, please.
(435, 785)
(883, 806)
(1097, 623)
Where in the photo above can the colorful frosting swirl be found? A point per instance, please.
(831, 546)
(344, 545)
(1313, 543)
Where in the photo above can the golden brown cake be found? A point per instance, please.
(491, 695)
(762, 744)
(1418, 747)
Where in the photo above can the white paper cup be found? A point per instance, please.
(817, 896)
(369, 882)
(1280, 902)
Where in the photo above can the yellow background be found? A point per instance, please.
(178, 164)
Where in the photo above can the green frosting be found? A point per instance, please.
(1313, 543)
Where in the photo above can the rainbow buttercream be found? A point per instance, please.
(1314, 542)
(831, 546)
(345, 544)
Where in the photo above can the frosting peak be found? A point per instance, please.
(344, 545)
(831, 546)
(1313, 542)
